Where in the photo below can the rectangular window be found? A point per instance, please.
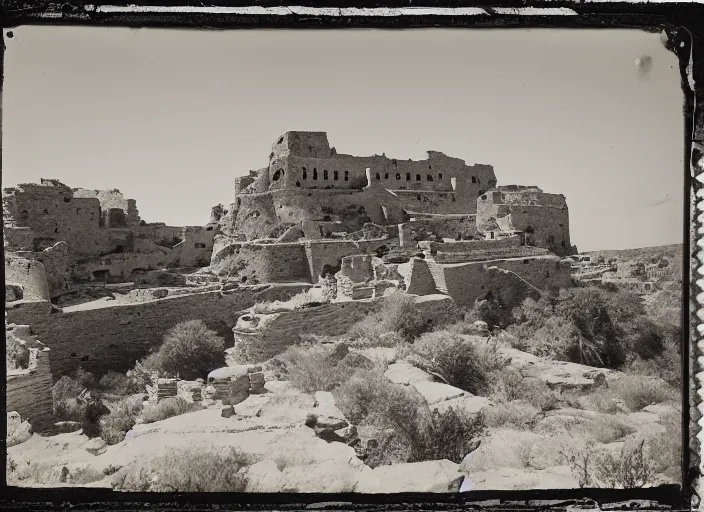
(347, 175)
(325, 174)
(334, 175)
(408, 176)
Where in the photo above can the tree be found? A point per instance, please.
(190, 350)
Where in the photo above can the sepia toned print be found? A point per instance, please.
(348, 321)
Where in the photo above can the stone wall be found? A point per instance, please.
(543, 217)
(29, 390)
(454, 227)
(27, 275)
(112, 199)
(304, 261)
(332, 319)
(114, 337)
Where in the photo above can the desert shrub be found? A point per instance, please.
(667, 365)
(665, 448)
(464, 363)
(16, 353)
(194, 469)
(122, 417)
(638, 391)
(167, 408)
(304, 366)
(518, 413)
(511, 385)
(366, 392)
(492, 311)
(585, 325)
(65, 393)
(70, 409)
(628, 469)
(398, 314)
(606, 429)
(66, 388)
(85, 379)
(305, 299)
(409, 431)
(115, 383)
(190, 350)
(647, 339)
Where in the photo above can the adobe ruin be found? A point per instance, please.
(359, 227)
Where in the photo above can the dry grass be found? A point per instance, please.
(121, 419)
(638, 392)
(306, 369)
(195, 469)
(305, 299)
(168, 408)
(517, 413)
(665, 449)
(606, 429)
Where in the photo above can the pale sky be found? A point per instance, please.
(171, 117)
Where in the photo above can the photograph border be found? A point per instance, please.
(684, 25)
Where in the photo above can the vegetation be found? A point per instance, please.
(305, 299)
(469, 364)
(167, 408)
(120, 420)
(399, 314)
(408, 430)
(194, 469)
(190, 351)
(638, 392)
(16, 353)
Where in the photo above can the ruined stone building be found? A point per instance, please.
(296, 219)
(81, 235)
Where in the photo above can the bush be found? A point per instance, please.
(85, 379)
(511, 385)
(196, 469)
(518, 413)
(167, 408)
(190, 351)
(667, 366)
(409, 432)
(586, 325)
(305, 299)
(665, 449)
(122, 417)
(65, 393)
(606, 429)
(461, 362)
(116, 383)
(628, 469)
(638, 392)
(304, 367)
(16, 353)
(399, 313)
(365, 393)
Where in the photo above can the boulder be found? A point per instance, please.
(227, 411)
(18, 431)
(96, 446)
(434, 392)
(468, 404)
(428, 476)
(404, 373)
(63, 427)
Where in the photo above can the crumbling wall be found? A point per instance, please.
(29, 390)
(331, 319)
(254, 263)
(514, 278)
(114, 337)
(196, 248)
(29, 276)
(418, 277)
(462, 227)
(112, 199)
(544, 218)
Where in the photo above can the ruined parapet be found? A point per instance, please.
(29, 386)
(27, 278)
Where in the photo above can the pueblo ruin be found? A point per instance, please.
(98, 285)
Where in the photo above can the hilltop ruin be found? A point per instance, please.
(352, 228)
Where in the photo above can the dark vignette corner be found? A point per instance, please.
(684, 26)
